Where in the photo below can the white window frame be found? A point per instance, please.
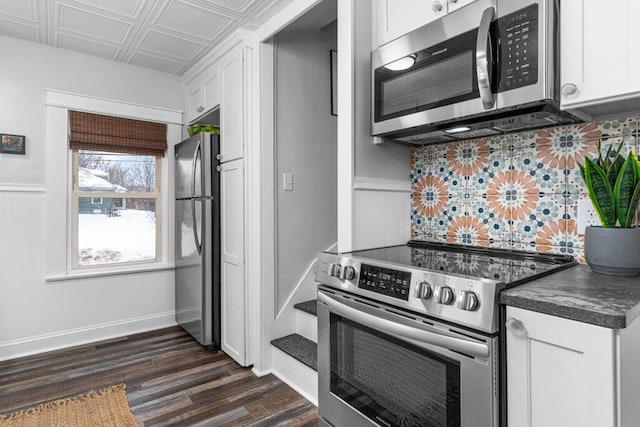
(77, 194)
(59, 159)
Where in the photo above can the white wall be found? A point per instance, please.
(36, 315)
(374, 189)
(306, 135)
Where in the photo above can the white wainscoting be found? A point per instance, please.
(382, 212)
(36, 316)
(78, 336)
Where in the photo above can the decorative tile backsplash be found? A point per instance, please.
(516, 191)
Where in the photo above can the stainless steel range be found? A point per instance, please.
(410, 335)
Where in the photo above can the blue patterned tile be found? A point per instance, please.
(496, 161)
(454, 212)
(518, 191)
(496, 224)
(627, 126)
(533, 213)
(442, 168)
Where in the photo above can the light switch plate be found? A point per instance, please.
(287, 181)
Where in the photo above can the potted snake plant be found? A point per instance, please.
(613, 185)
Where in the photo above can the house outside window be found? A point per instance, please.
(116, 195)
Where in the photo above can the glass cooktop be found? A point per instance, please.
(510, 267)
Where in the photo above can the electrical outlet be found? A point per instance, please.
(586, 215)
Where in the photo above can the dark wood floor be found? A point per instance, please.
(171, 380)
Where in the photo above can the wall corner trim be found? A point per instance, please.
(376, 184)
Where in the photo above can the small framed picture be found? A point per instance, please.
(12, 144)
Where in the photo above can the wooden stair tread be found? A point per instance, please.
(310, 306)
(300, 348)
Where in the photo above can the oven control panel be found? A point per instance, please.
(455, 298)
(385, 281)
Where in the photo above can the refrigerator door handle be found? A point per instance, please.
(196, 154)
(196, 238)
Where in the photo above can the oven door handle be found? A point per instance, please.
(472, 348)
(483, 58)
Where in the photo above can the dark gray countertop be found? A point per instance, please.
(578, 294)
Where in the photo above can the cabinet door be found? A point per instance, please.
(599, 60)
(456, 4)
(559, 372)
(194, 100)
(232, 101)
(398, 17)
(211, 90)
(232, 266)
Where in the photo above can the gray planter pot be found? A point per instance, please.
(613, 251)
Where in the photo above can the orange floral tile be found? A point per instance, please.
(466, 230)
(430, 196)
(468, 157)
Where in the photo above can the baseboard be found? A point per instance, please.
(72, 337)
(259, 373)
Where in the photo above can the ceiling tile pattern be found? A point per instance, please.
(164, 35)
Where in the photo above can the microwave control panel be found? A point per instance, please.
(385, 281)
(518, 35)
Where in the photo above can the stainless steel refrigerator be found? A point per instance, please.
(197, 273)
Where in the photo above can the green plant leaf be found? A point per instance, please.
(614, 169)
(606, 162)
(600, 193)
(599, 160)
(624, 190)
(628, 221)
(636, 165)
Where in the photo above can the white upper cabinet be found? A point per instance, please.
(456, 4)
(599, 53)
(234, 102)
(203, 94)
(398, 17)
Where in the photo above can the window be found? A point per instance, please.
(116, 196)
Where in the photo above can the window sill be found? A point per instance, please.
(107, 273)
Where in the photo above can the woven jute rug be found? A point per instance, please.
(106, 407)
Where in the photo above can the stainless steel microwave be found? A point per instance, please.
(487, 68)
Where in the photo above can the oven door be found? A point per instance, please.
(381, 366)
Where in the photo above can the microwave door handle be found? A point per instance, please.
(410, 333)
(483, 58)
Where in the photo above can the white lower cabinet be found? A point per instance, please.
(564, 373)
(233, 297)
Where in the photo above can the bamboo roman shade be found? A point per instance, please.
(96, 132)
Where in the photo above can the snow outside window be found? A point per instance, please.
(116, 203)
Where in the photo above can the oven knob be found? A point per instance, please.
(348, 273)
(334, 270)
(423, 290)
(468, 301)
(444, 295)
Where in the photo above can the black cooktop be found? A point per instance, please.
(510, 267)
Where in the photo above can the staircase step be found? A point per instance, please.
(300, 348)
(310, 306)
